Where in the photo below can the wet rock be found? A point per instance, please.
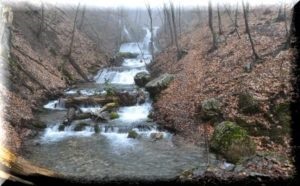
(132, 134)
(142, 78)
(127, 99)
(210, 110)
(141, 97)
(232, 142)
(80, 126)
(61, 127)
(158, 84)
(157, 135)
(97, 128)
(247, 104)
(39, 125)
(119, 57)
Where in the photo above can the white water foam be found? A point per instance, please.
(133, 47)
(54, 105)
(52, 134)
(125, 77)
(138, 62)
(134, 113)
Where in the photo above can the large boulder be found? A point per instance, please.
(231, 141)
(158, 84)
(210, 110)
(142, 78)
(126, 98)
(247, 104)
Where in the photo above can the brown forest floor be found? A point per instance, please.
(201, 75)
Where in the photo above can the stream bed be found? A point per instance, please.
(110, 154)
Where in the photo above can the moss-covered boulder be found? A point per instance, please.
(114, 115)
(231, 141)
(210, 110)
(282, 114)
(142, 78)
(158, 84)
(247, 104)
(80, 126)
(132, 134)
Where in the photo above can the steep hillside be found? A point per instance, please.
(221, 74)
(38, 64)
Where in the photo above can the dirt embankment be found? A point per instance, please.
(38, 68)
(220, 74)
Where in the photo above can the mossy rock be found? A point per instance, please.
(282, 113)
(210, 110)
(156, 85)
(114, 115)
(132, 134)
(97, 128)
(247, 104)
(80, 126)
(232, 142)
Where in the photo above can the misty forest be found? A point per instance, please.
(167, 92)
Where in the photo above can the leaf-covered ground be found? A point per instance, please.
(220, 74)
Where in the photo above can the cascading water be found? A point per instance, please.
(111, 154)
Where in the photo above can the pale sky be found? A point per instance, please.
(153, 3)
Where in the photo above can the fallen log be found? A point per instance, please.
(93, 100)
(70, 116)
(108, 107)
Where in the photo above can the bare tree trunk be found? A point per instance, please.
(175, 31)
(236, 16)
(73, 31)
(246, 12)
(151, 30)
(234, 22)
(179, 20)
(71, 60)
(42, 22)
(169, 23)
(82, 18)
(210, 23)
(220, 21)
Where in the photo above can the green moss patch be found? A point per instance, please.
(232, 141)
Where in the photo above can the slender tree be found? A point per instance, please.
(82, 17)
(172, 9)
(168, 17)
(69, 55)
(210, 23)
(151, 29)
(219, 21)
(246, 13)
(234, 22)
(41, 27)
